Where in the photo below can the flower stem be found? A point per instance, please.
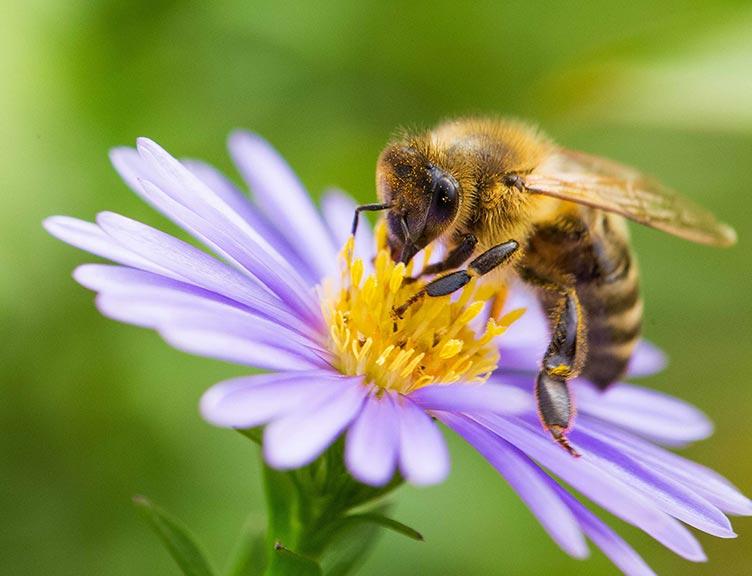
(319, 509)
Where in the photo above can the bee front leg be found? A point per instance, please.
(454, 259)
(562, 361)
(483, 264)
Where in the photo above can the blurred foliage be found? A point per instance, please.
(92, 412)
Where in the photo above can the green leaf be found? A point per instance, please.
(177, 539)
(287, 563)
(384, 522)
(349, 540)
(348, 549)
(249, 555)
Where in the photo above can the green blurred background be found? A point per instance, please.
(92, 412)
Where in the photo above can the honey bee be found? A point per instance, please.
(501, 195)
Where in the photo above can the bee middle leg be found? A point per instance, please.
(444, 285)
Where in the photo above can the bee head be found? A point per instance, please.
(423, 199)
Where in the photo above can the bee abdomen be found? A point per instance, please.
(613, 309)
(590, 251)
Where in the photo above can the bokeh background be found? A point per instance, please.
(92, 412)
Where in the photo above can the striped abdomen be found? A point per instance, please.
(589, 251)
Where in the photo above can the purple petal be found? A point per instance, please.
(177, 193)
(224, 188)
(338, 209)
(185, 188)
(151, 162)
(247, 256)
(164, 309)
(191, 204)
(647, 359)
(373, 441)
(224, 207)
(704, 481)
(607, 491)
(524, 343)
(254, 400)
(490, 397)
(283, 199)
(649, 413)
(156, 306)
(241, 204)
(300, 436)
(668, 495)
(122, 281)
(252, 342)
(184, 262)
(519, 358)
(163, 255)
(534, 487)
(423, 456)
(617, 550)
(90, 237)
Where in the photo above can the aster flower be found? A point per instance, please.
(283, 297)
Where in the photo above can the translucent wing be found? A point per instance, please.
(610, 186)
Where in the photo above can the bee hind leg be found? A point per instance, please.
(561, 362)
(444, 285)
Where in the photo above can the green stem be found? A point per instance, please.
(319, 507)
(308, 507)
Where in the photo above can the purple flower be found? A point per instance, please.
(281, 299)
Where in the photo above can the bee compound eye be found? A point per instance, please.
(446, 191)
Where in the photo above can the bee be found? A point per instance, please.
(501, 196)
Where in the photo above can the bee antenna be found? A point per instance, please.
(367, 208)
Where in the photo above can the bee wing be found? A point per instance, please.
(610, 186)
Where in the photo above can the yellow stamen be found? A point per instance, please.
(470, 312)
(398, 273)
(508, 319)
(432, 343)
(450, 349)
(356, 273)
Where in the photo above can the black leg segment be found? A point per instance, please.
(454, 259)
(483, 264)
(493, 257)
(366, 208)
(448, 284)
(562, 361)
(555, 407)
(563, 356)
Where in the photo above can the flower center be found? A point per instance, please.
(437, 340)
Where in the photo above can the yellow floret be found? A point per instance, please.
(432, 343)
